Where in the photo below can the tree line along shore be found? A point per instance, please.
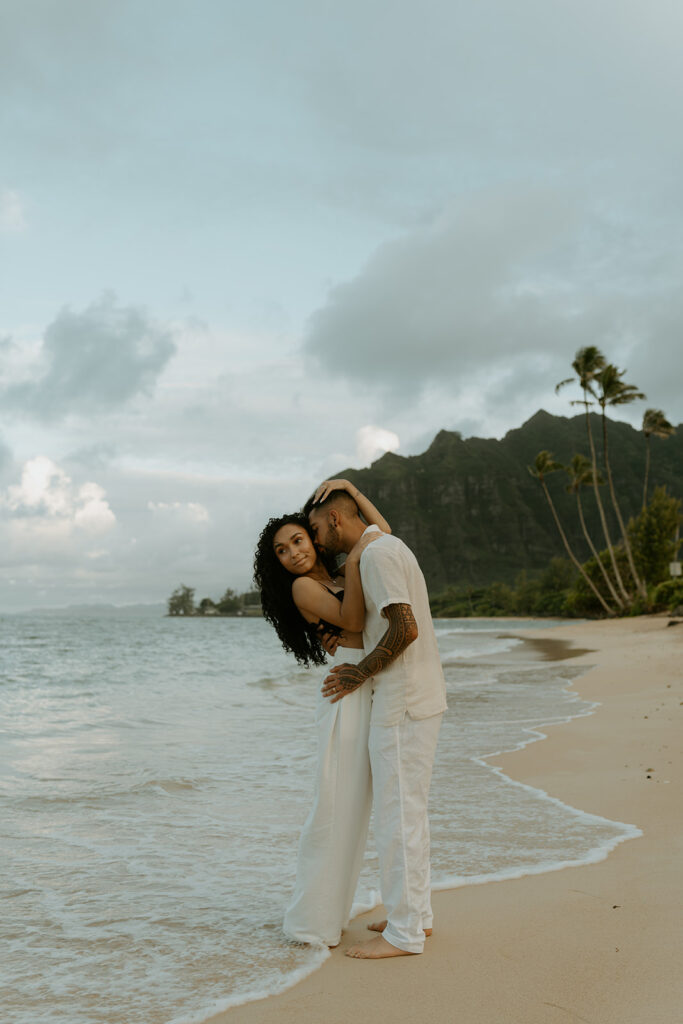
(563, 517)
(231, 604)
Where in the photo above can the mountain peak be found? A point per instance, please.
(540, 417)
(444, 437)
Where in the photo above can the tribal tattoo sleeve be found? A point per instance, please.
(401, 632)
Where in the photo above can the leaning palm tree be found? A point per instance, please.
(544, 464)
(613, 392)
(580, 473)
(587, 364)
(654, 422)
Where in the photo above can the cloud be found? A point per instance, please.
(93, 514)
(93, 360)
(371, 442)
(192, 511)
(47, 501)
(5, 455)
(93, 458)
(12, 216)
(57, 537)
(494, 297)
(445, 297)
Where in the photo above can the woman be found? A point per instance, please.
(302, 597)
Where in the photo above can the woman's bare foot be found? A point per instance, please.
(379, 926)
(376, 949)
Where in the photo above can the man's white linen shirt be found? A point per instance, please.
(413, 683)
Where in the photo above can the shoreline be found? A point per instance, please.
(596, 942)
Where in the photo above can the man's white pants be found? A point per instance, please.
(402, 757)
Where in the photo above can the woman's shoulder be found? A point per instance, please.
(304, 583)
(305, 586)
(307, 595)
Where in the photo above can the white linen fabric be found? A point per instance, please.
(409, 698)
(334, 835)
(413, 683)
(401, 757)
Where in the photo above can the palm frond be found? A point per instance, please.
(655, 422)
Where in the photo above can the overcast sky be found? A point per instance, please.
(246, 245)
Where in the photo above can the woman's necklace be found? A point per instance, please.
(324, 578)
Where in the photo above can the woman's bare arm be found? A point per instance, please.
(315, 602)
(371, 515)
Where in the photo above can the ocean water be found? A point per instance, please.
(154, 777)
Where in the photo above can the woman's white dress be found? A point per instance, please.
(334, 835)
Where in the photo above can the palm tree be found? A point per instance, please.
(614, 392)
(580, 473)
(654, 422)
(587, 364)
(544, 464)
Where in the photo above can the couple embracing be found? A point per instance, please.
(378, 713)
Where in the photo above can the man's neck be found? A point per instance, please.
(352, 533)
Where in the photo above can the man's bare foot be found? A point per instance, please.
(379, 926)
(376, 949)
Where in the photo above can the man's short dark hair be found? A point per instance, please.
(335, 499)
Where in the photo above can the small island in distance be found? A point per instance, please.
(182, 603)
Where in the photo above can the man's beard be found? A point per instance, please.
(331, 543)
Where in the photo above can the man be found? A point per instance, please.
(403, 666)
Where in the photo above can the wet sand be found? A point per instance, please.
(600, 943)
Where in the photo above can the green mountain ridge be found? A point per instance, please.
(472, 513)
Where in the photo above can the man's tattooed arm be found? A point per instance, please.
(401, 632)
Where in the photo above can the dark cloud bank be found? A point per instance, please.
(93, 360)
(503, 291)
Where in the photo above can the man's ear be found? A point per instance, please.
(334, 518)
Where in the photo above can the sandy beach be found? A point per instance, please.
(600, 943)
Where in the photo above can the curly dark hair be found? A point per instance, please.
(275, 584)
